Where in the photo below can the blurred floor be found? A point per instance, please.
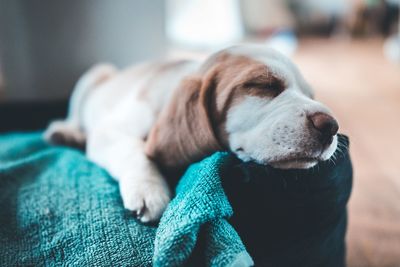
(363, 90)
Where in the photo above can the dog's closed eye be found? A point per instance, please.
(272, 87)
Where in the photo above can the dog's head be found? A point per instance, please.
(252, 101)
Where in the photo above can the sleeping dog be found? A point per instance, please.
(247, 99)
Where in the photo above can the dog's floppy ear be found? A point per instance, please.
(183, 132)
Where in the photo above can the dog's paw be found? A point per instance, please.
(147, 199)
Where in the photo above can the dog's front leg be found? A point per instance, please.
(143, 189)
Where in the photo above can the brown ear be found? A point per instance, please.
(183, 132)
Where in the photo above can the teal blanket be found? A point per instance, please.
(57, 208)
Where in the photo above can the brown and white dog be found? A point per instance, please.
(247, 99)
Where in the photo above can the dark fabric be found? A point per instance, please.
(292, 217)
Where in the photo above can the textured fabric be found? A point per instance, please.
(57, 208)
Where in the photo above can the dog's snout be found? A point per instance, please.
(326, 125)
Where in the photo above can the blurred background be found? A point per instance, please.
(348, 50)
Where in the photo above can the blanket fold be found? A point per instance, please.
(200, 201)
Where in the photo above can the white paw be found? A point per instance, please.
(146, 198)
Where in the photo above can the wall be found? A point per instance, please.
(45, 45)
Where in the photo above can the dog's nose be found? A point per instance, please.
(326, 125)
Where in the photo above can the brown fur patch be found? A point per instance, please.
(182, 133)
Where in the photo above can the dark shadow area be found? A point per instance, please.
(30, 116)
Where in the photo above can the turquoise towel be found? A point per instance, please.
(57, 208)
